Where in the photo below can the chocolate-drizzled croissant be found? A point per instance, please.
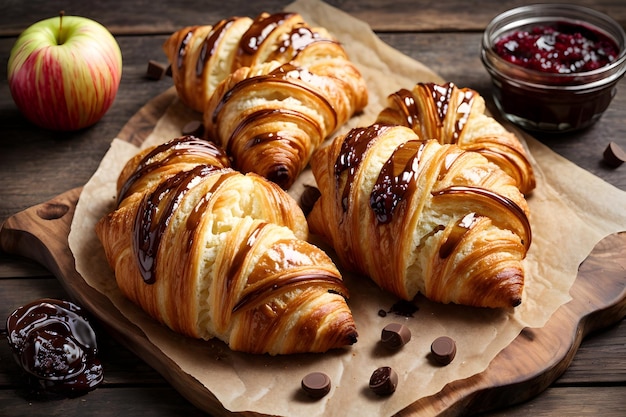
(457, 115)
(271, 118)
(271, 89)
(211, 252)
(420, 217)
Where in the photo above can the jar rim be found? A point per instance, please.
(528, 15)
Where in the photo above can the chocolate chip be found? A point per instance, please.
(316, 384)
(443, 349)
(155, 71)
(193, 128)
(614, 156)
(384, 381)
(395, 335)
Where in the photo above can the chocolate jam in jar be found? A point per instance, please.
(554, 67)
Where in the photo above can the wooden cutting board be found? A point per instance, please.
(522, 370)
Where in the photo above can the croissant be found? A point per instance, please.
(421, 217)
(271, 89)
(204, 55)
(271, 118)
(211, 252)
(457, 115)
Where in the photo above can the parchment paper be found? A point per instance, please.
(571, 211)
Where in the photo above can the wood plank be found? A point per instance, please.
(103, 402)
(127, 18)
(600, 359)
(571, 402)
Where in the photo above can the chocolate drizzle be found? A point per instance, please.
(497, 201)
(182, 48)
(334, 283)
(260, 29)
(440, 95)
(298, 40)
(239, 258)
(460, 228)
(405, 101)
(211, 42)
(164, 153)
(355, 144)
(392, 184)
(266, 115)
(283, 75)
(155, 212)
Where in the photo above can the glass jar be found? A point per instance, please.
(539, 100)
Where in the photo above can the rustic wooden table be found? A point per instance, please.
(37, 165)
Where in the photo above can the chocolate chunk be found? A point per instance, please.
(395, 335)
(384, 381)
(614, 156)
(443, 349)
(155, 70)
(316, 384)
(193, 128)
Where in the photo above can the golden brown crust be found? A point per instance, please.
(271, 118)
(418, 216)
(211, 252)
(269, 124)
(457, 115)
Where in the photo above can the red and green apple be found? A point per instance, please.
(64, 72)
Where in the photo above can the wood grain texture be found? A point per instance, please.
(149, 17)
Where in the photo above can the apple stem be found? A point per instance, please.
(61, 14)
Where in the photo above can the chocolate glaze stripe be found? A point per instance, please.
(240, 256)
(495, 200)
(182, 48)
(299, 39)
(490, 150)
(286, 74)
(258, 32)
(334, 284)
(195, 216)
(353, 150)
(213, 39)
(441, 96)
(390, 188)
(154, 214)
(259, 117)
(173, 148)
(405, 100)
(456, 234)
